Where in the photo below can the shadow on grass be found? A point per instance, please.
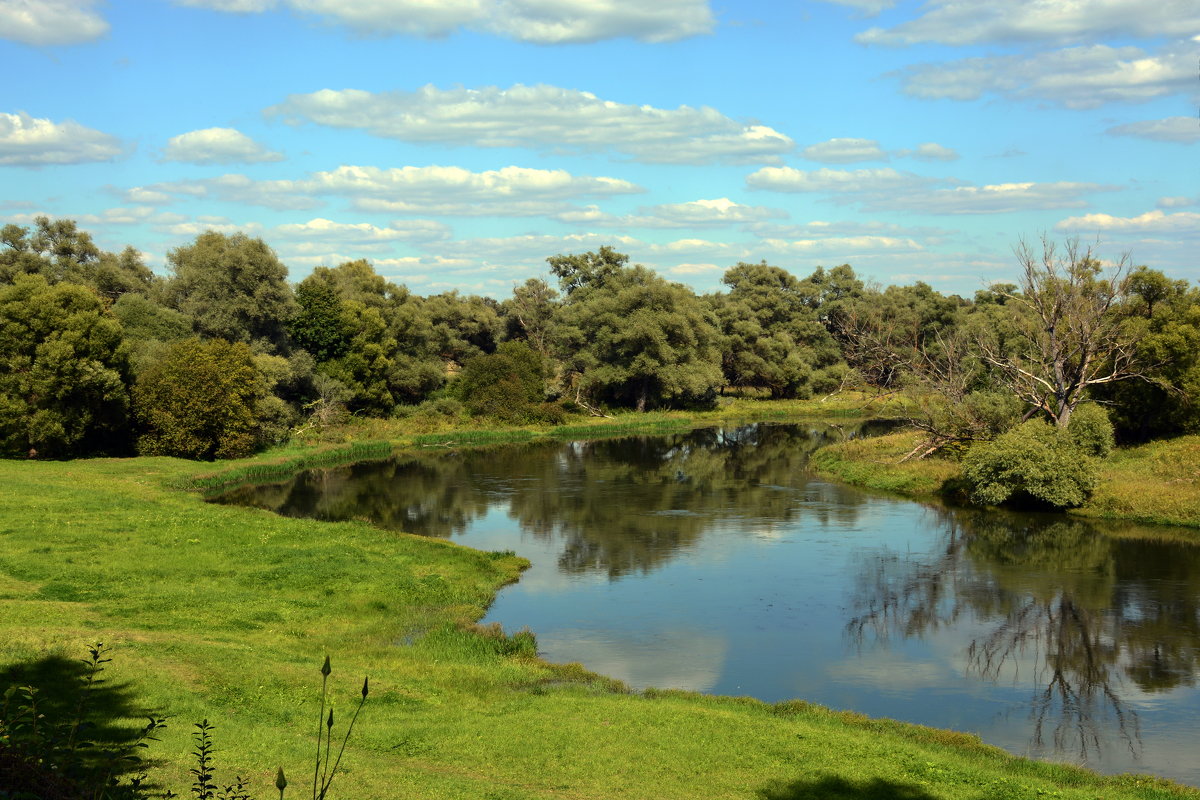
(834, 788)
(70, 732)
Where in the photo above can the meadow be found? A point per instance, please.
(226, 614)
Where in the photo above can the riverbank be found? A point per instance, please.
(1158, 483)
(225, 613)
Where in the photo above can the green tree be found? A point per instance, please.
(62, 371)
(1033, 461)
(58, 251)
(772, 337)
(506, 385)
(234, 288)
(632, 338)
(199, 401)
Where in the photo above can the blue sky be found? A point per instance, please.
(458, 143)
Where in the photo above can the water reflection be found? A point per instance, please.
(1071, 612)
(619, 506)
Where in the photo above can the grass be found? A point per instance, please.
(226, 613)
(1155, 483)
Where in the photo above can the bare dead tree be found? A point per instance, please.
(1068, 337)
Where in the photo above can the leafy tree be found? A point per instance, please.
(772, 338)
(58, 251)
(506, 385)
(630, 337)
(530, 314)
(320, 325)
(1033, 461)
(463, 326)
(62, 371)
(200, 401)
(234, 288)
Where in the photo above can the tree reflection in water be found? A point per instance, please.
(1084, 612)
(619, 506)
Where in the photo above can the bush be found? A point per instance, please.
(1032, 462)
(1091, 430)
(200, 401)
(505, 385)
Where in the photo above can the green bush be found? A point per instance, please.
(1032, 462)
(200, 401)
(1091, 430)
(506, 385)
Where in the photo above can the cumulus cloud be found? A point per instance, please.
(930, 151)
(217, 146)
(1184, 130)
(962, 22)
(511, 191)
(1185, 223)
(789, 179)
(325, 230)
(1077, 77)
(889, 189)
(545, 118)
(693, 214)
(1177, 202)
(844, 151)
(50, 22)
(33, 142)
(537, 21)
(203, 224)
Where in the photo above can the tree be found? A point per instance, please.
(62, 371)
(772, 338)
(234, 288)
(506, 384)
(1068, 335)
(530, 314)
(1033, 461)
(199, 401)
(630, 337)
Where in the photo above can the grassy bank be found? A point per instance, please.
(225, 613)
(1155, 483)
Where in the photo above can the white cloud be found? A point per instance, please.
(140, 194)
(1076, 77)
(1184, 130)
(930, 151)
(871, 7)
(844, 151)
(693, 214)
(960, 22)
(789, 179)
(545, 118)
(845, 228)
(537, 21)
(217, 146)
(454, 191)
(1177, 202)
(33, 142)
(415, 230)
(889, 189)
(204, 224)
(1186, 223)
(50, 22)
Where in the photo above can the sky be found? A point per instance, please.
(456, 144)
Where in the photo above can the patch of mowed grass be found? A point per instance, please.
(224, 613)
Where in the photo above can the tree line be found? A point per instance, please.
(98, 354)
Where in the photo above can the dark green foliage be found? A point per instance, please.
(319, 325)
(200, 401)
(1036, 462)
(630, 337)
(772, 337)
(62, 386)
(1091, 430)
(505, 385)
(233, 288)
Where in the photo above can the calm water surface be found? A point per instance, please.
(713, 561)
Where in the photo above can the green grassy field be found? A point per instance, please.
(226, 613)
(1156, 483)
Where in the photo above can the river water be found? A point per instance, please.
(713, 561)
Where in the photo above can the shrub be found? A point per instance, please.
(504, 385)
(1032, 462)
(200, 401)
(1091, 430)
